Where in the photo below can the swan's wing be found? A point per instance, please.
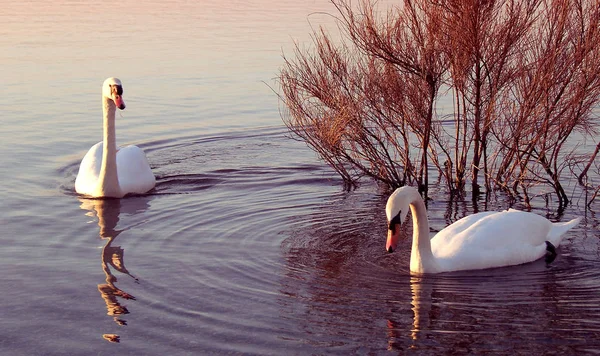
(492, 239)
(135, 175)
(447, 234)
(89, 170)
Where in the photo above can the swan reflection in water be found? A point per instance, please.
(422, 306)
(112, 257)
(424, 313)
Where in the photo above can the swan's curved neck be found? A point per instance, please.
(108, 184)
(421, 257)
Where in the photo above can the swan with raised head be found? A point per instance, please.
(107, 171)
(483, 240)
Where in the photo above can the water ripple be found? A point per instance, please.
(245, 232)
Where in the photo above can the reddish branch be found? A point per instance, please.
(524, 76)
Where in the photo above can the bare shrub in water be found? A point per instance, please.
(524, 75)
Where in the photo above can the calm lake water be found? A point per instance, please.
(248, 244)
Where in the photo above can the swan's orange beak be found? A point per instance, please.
(118, 99)
(392, 238)
(116, 92)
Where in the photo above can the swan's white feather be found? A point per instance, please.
(133, 170)
(491, 239)
(135, 175)
(89, 170)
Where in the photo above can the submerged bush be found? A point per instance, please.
(523, 77)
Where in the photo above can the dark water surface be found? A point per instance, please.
(248, 244)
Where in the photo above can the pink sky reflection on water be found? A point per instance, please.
(38, 36)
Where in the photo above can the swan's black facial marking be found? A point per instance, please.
(395, 221)
(117, 89)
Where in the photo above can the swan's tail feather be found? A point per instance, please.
(559, 229)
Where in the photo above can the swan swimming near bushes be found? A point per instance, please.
(483, 240)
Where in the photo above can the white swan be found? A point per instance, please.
(107, 171)
(478, 241)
